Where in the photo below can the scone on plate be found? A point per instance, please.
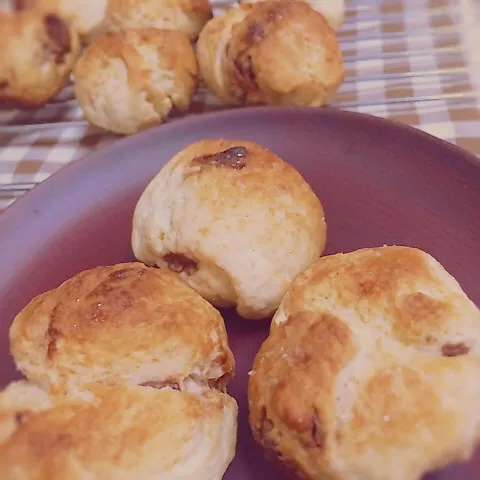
(131, 80)
(84, 17)
(332, 10)
(371, 368)
(38, 51)
(123, 324)
(187, 16)
(272, 52)
(121, 432)
(234, 220)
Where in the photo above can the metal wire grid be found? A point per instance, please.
(400, 56)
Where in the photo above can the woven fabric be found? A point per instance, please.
(413, 61)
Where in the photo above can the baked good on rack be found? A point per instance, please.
(84, 17)
(128, 368)
(122, 324)
(332, 10)
(370, 370)
(187, 16)
(38, 51)
(131, 80)
(234, 220)
(272, 52)
(122, 432)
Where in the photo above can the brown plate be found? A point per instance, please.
(380, 183)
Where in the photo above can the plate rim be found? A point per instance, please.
(10, 214)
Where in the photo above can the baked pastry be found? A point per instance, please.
(122, 324)
(84, 17)
(272, 52)
(131, 80)
(187, 16)
(332, 10)
(234, 220)
(370, 369)
(38, 51)
(122, 432)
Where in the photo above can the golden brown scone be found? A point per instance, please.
(120, 433)
(131, 80)
(234, 220)
(38, 51)
(272, 52)
(85, 17)
(371, 369)
(187, 16)
(127, 324)
(332, 10)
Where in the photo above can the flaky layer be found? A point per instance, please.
(120, 432)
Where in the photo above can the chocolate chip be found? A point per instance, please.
(20, 417)
(160, 385)
(52, 337)
(455, 349)
(245, 74)
(4, 84)
(233, 157)
(21, 4)
(255, 32)
(317, 431)
(59, 34)
(180, 263)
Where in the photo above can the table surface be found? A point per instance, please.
(413, 61)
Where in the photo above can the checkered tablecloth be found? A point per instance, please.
(413, 61)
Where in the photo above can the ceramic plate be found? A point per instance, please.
(380, 183)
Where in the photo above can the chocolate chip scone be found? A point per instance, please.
(370, 371)
(234, 220)
(38, 51)
(272, 52)
(127, 371)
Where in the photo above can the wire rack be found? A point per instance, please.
(414, 61)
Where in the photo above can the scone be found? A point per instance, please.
(38, 51)
(272, 52)
(332, 10)
(235, 221)
(370, 371)
(85, 17)
(123, 324)
(187, 16)
(131, 80)
(120, 433)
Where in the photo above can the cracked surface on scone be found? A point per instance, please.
(235, 222)
(370, 369)
(130, 80)
(119, 432)
(272, 52)
(122, 324)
